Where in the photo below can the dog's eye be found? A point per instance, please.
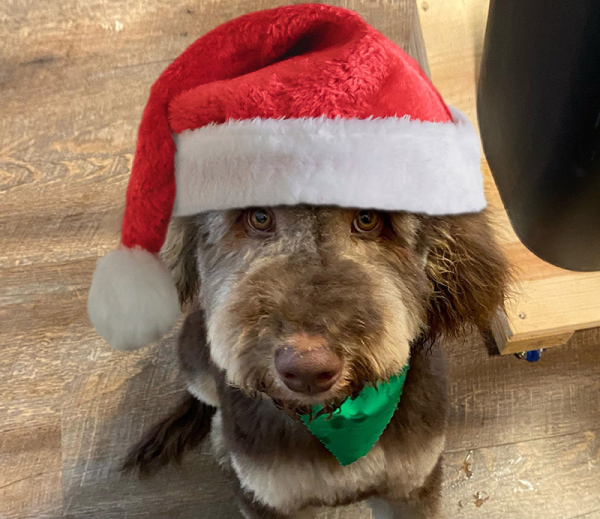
(367, 222)
(260, 220)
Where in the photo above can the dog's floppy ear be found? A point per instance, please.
(179, 254)
(468, 272)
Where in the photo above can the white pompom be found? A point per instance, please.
(133, 300)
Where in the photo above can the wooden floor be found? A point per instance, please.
(524, 439)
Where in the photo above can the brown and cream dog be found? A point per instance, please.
(292, 306)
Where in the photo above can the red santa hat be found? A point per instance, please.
(304, 104)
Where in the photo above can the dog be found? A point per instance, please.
(289, 307)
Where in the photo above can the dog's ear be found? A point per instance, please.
(179, 254)
(468, 272)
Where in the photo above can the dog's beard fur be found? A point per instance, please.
(267, 305)
(264, 385)
(369, 298)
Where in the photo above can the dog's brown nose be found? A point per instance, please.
(308, 371)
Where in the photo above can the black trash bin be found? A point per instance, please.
(539, 116)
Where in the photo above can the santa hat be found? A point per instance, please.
(305, 104)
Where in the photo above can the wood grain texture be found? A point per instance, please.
(507, 344)
(547, 300)
(542, 478)
(542, 342)
(74, 77)
(503, 399)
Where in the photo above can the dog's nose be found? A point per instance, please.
(308, 371)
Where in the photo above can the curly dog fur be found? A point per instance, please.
(376, 298)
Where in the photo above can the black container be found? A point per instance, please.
(539, 116)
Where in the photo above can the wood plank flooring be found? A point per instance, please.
(74, 76)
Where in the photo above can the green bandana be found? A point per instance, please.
(352, 430)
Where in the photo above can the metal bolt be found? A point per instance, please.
(522, 315)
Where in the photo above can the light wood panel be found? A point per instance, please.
(548, 301)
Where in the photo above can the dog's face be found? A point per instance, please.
(306, 305)
(348, 285)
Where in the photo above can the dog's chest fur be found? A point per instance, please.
(279, 461)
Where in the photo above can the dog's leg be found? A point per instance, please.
(390, 509)
(425, 501)
(168, 440)
(251, 508)
(257, 511)
(421, 503)
(380, 508)
(194, 360)
(395, 510)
